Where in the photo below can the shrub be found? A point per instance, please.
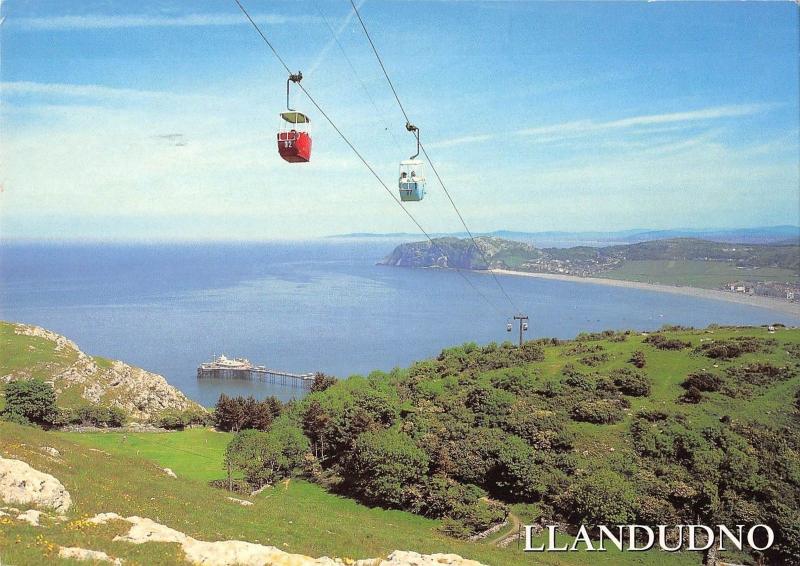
(663, 343)
(633, 383)
(735, 347)
(692, 396)
(599, 411)
(638, 359)
(16, 418)
(702, 381)
(593, 360)
(32, 399)
(174, 419)
(602, 498)
(583, 348)
(100, 416)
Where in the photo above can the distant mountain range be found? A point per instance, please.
(781, 235)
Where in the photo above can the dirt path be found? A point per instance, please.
(512, 530)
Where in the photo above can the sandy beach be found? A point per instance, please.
(762, 302)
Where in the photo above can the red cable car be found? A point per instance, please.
(294, 141)
(294, 145)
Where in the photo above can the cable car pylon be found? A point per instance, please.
(523, 325)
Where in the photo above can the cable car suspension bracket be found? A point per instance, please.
(414, 130)
(295, 78)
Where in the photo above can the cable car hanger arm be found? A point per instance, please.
(414, 130)
(295, 78)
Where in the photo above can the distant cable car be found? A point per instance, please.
(294, 141)
(412, 174)
(508, 327)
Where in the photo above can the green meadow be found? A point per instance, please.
(696, 273)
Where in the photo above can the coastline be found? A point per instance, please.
(770, 303)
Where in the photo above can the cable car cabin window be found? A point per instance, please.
(294, 141)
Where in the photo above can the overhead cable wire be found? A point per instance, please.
(335, 37)
(433, 167)
(362, 159)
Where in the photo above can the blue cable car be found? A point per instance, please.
(412, 180)
(412, 174)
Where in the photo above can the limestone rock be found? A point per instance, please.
(76, 553)
(241, 502)
(229, 552)
(22, 485)
(31, 516)
(170, 473)
(51, 451)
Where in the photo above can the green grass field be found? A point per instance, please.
(704, 274)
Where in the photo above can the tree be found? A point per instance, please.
(33, 399)
(266, 457)
(322, 382)
(385, 464)
(315, 421)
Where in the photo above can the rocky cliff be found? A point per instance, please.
(30, 351)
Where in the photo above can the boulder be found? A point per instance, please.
(22, 485)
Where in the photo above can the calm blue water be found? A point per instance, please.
(301, 306)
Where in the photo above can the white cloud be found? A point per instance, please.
(102, 21)
(580, 128)
(85, 91)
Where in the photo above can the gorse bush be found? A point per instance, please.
(703, 381)
(735, 347)
(664, 343)
(599, 411)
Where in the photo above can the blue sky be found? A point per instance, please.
(156, 120)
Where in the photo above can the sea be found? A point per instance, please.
(304, 306)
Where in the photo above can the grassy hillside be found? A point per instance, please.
(468, 400)
(105, 473)
(705, 426)
(695, 273)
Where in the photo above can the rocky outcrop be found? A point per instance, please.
(459, 253)
(228, 552)
(75, 553)
(22, 485)
(141, 394)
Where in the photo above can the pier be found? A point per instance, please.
(241, 368)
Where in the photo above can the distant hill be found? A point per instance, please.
(769, 269)
(563, 239)
(584, 260)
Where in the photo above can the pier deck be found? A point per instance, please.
(240, 368)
